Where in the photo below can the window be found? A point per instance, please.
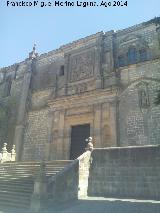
(143, 55)
(121, 61)
(132, 55)
(61, 72)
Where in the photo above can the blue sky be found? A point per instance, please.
(52, 27)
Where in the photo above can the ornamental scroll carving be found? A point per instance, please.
(82, 66)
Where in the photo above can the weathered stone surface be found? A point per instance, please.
(125, 172)
(107, 80)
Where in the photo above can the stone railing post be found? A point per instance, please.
(4, 152)
(5, 156)
(39, 197)
(13, 153)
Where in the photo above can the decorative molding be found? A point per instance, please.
(83, 99)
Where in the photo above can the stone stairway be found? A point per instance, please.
(17, 180)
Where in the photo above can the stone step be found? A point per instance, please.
(27, 179)
(17, 181)
(14, 194)
(13, 198)
(7, 203)
(10, 201)
(31, 165)
(26, 174)
(29, 172)
(28, 169)
(17, 188)
(56, 162)
(12, 177)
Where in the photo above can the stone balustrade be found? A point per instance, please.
(6, 156)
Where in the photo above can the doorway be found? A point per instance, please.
(78, 144)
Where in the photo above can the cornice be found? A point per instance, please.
(87, 98)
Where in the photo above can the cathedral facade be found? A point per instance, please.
(103, 86)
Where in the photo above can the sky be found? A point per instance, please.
(50, 27)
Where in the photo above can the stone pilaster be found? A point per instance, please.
(20, 123)
(48, 145)
(57, 145)
(114, 110)
(97, 125)
(61, 134)
(158, 31)
(97, 68)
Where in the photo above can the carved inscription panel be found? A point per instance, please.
(82, 66)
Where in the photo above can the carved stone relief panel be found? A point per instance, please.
(143, 95)
(77, 89)
(82, 65)
(79, 110)
(81, 87)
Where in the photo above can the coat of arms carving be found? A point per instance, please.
(82, 66)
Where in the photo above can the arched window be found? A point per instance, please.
(143, 55)
(132, 55)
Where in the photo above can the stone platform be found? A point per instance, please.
(98, 205)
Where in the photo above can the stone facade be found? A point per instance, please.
(107, 80)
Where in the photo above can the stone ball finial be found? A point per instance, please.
(4, 149)
(89, 146)
(13, 149)
(33, 54)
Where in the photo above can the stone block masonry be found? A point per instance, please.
(106, 80)
(128, 172)
(36, 136)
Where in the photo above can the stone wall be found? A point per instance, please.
(37, 136)
(84, 166)
(129, 172)
(72, 182)
(65, 186)
(138, 115)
